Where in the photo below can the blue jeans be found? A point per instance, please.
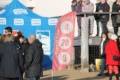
(33, 78)
(103, 61)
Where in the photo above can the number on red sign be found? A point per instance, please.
(65, 42)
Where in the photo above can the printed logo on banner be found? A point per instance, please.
(2, 21)
(44, 37)
(18, 21)
(35, 22)
(52, 21)
(2, 11)
(20, 11)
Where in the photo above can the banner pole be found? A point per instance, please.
(52, 74)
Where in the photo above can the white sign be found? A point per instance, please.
(44, 37)
(35, 22)
(2, 21)
(18, 21)
(52, 21)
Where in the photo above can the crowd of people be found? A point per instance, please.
(110, 42)
(19, 56)
(101, 19)
(109, 48)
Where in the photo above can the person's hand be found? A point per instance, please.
(74, 4)
(100, 11)
(119, 11)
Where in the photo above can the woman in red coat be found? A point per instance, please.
(112, 49)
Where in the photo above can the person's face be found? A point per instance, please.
(118, 0)
(6, 32)
(21, 40)
(109, 35)
(29, 40)
(74, 3)
(102, 1)
(86, 2)
(119, 39)
(78, 0)
(98, 0)
(103, 36)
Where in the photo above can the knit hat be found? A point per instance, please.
(88, 0)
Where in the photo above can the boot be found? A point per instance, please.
(117, 76)
(110, 76)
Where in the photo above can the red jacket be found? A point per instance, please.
(111, 49)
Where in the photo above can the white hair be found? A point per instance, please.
(113, 37)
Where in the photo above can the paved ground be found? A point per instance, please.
(72, 75)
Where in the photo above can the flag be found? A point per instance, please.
(63, 43)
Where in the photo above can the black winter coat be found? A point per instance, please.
(97, 16)
(11, 60)
(105, 8)
(103, 55)
(33, 60)
(115, 8)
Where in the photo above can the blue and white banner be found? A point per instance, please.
(22, 19)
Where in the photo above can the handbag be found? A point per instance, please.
(116, 58)
(118, 19)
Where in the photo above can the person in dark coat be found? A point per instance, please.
(73, 5)
(115, 8)
(104, 18)
(1, 38)
(97, 16)
(19, 40)
(77, 7)
(103, 54)
(33, 59)
(11, 60)
(24, 45)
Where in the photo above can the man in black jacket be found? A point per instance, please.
(33, 59)
(115, 8)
